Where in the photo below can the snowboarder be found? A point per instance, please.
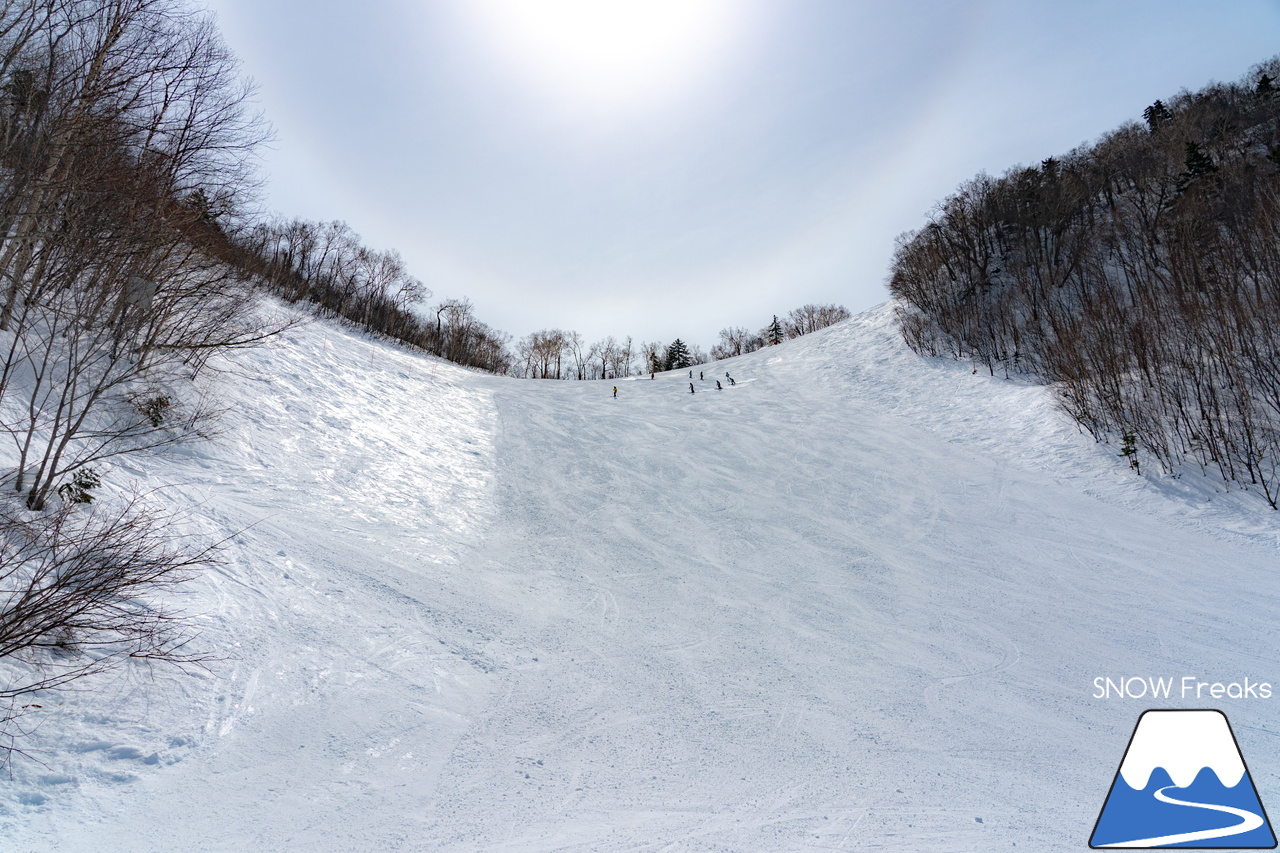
(615, 392)
(691, 391)
(731, 382)
(718, 388)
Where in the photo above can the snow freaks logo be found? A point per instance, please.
(1187, 687)
(1183, 783)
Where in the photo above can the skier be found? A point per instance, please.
(615, 392)
(731, 382)
(691, 391)
(701, 378)
(718, 388)
(650, 374)
(690, 374)
(726, 374)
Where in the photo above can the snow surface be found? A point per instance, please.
(855, 602)
(1183, 743)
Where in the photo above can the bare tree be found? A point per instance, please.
(603, 356)
(575, 346)
(79, 596)
(542, 354)
(653, 355)
(811, 318)
(733, 342)
(623, 360)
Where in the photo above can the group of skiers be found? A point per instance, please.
(701, 378)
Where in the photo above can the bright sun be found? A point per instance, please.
(617, 51)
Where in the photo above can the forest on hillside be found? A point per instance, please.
(326, 264)
(126, 132)
(1139, 275)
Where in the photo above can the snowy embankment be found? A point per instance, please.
(856, 601)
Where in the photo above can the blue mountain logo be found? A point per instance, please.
(1183, 783)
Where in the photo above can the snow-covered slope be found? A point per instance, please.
(856, 601)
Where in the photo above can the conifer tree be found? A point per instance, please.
(1198, 164)
(1156, 115)
(775, 333)
(677, 355)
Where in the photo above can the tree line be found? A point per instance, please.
(557, 354)
(1140, 275)
(736, 340)
(326, 264)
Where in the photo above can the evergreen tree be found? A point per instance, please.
(775, 333)
(1156, 115)
(677, 355)
(1199, 164)
(1129, 450)
(1266, 86)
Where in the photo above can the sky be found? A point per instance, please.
(668, 168)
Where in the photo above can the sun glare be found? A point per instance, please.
(610, 50)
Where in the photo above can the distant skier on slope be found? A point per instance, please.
(718, 388)
(691, 391)
(615, 392)
(731, 382)
(701, 378)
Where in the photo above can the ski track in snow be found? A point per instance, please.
(855, 602)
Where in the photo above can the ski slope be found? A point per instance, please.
(855, 602)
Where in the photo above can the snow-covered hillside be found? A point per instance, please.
(856, 601)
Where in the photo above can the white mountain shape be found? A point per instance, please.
(1183, 743)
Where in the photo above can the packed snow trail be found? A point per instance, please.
(855, 601)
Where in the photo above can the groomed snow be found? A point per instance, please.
(855, 602)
